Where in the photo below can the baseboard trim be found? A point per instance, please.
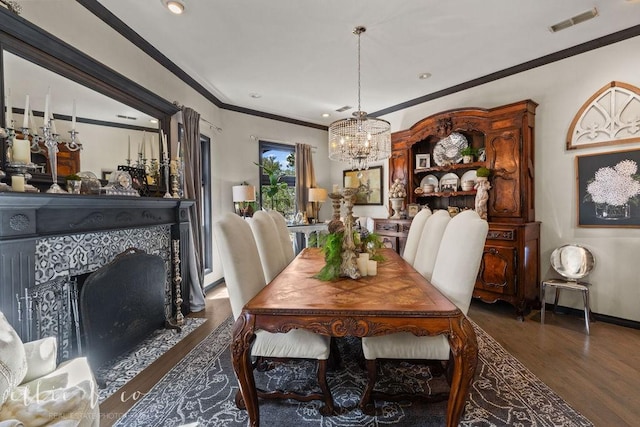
(212, 285)
(595, 316)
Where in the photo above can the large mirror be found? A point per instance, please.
(113, 113)
(109, 132)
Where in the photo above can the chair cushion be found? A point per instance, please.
(297, 343)
(41, 357)
(406, 346)
(13, 360)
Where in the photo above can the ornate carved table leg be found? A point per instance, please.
(464, 348)
(243, 336)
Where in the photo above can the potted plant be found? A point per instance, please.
(483, 174)
(468, 153)
(74, 183)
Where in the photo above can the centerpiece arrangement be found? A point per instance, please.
(344, 242)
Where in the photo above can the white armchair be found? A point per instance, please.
(34, 391)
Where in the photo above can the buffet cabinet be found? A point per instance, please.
(510, 268)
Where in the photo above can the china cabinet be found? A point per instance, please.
(504, 137)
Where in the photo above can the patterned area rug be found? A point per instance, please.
(122, 369)
(200, 391)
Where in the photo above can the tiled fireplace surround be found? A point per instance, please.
(47, 241)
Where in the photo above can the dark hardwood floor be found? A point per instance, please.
(597, 374)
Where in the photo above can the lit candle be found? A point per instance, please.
(372, 267)
(8, 118)
(73, 116)
(17, 183)
(25, 116)
(21, 151)
(47, 100)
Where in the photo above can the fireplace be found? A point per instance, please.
(48, 243)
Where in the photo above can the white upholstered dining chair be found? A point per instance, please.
(454, 274)
(272, 257)
(413, 237)
(429, 243)
(244, 279)
(283, 232)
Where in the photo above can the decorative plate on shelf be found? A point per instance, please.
(449, 182)
(447, 150)
(469, 176)
(430, 179)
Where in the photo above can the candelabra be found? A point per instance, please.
(51, 141)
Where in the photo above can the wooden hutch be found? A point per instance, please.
(510, 268)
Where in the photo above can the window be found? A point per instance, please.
(278, 177)
(205, 147)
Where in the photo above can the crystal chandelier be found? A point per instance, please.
(361, 139)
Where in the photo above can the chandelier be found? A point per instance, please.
(360, 139)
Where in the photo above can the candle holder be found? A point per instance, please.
(23, 170)
(51, 141)
(349, 266)
(166, 166)
(336, 201)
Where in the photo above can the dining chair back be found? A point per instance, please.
(459, 256)
(283, 232)
(429, 243)
(413, 237)
(244, 278)
(240, 260)
(265, 232)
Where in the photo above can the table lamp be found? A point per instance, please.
(243, 194)
(317, 196)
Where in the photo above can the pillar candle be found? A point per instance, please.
(336, 188)
(21, 151)
(25, 116)
(364, 255)
(372, 267)
(17, 183)
(362, 266)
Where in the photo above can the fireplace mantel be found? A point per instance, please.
(26, 220)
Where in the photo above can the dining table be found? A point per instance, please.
(396, 299)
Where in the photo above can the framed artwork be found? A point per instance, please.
(423, 161)
(608, 189)
(412, 210)
(368, 182)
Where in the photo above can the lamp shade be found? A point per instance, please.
(244, 193)
(317, 194)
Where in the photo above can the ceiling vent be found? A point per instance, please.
(345, 108)
(578, 19)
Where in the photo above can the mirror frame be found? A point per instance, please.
(28, 41)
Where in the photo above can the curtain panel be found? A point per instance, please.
(191, 155)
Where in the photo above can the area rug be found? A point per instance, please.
(200, 391)
(122, 369)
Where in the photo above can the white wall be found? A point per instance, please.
(560, 89)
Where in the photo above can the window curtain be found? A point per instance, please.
(191, 154)
(305, 177)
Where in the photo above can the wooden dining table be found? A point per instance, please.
(397, 299)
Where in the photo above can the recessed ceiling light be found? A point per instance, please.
(424, 76)
(325, 115)
(154, 121)
(255, 95)
(175, 7)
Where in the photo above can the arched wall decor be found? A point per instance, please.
(610, 116)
